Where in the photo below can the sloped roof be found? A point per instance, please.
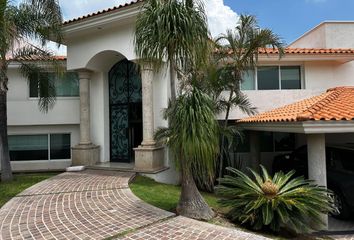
(108, 10)
(309, 51)
(39, 58)
(335, 104)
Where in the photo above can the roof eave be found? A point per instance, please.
(305, 127)
(343, 58)
(97, 21)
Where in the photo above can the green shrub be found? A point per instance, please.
(279, 202)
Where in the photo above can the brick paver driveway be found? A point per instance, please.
(97, 205)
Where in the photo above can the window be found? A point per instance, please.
(272, 78)
(28, 147)
(268, 78)
(284, 141)
(290, 77)
(39, 147)
(248, 80)
(60, 146)
(65, 86)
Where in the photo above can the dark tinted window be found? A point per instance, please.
(28, 147)
(290, 77)
(268, 78)
(60, 146)
(266, 141)
(284, 141)
(347, 160)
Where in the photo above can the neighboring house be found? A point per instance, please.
(114, 115)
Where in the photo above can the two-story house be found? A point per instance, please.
(107, 111)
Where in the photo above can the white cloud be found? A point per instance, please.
(220, 16)
(76, 8)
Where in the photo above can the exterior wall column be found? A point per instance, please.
(85, 153)
(85, 133)
(147, 76)
(149, 157)
(316, 150)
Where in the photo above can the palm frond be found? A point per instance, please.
(276, 202)
(43, 72)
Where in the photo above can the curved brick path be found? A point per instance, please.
(97, 205)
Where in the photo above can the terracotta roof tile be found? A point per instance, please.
(39, 58)
(309, 51)
(115, 8)
(335, 104)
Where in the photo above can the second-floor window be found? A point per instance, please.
(65, 86)
(272, 78)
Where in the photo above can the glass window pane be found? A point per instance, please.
(67, 85)
(266, 141)
(284, 141)
(268, 78)
(248, 80)
(28, 147)
(33, 86)
(241, 144)
(290, 77)
(60, 146)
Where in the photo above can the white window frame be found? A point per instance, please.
(302, 75)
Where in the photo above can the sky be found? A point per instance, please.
(287, 18)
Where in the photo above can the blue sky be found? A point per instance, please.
(291, 18)
(288, 18)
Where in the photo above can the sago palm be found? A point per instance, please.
(193, 139)
(280, 201)
(21, 25)
(174, 31)
(237, 52)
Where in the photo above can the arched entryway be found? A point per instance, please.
(125, 108)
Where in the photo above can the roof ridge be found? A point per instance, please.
(329, 95)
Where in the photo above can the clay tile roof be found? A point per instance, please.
(335, 104)
(308, 51)
(116, 8)
(39, 58)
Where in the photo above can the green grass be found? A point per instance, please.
(20, 183)
(165, 196)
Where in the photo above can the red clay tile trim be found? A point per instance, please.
(102, 12)
(336, 104)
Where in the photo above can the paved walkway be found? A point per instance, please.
(97, 205)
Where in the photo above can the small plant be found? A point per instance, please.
(279, 202)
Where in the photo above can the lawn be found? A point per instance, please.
(20, 183)
(165, 196)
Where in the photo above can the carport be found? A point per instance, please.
(330, 112)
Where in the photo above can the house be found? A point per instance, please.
(107, 110)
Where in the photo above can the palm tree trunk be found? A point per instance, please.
(6, 172)
(221, 166)
(172, 81)
(191, 203)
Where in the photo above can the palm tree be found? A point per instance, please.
(175, 31)
(20, 26)
(192, 136)
(238, 52)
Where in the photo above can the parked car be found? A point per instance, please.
(340, 174)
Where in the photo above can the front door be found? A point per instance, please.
(125, 105)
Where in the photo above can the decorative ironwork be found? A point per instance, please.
(125, 96)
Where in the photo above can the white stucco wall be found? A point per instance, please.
(23, 110)
(44, 165)
(328, 35)
(84, 51)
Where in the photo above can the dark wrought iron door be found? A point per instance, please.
(125, 103)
